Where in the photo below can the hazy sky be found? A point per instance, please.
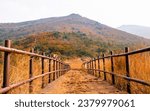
(110, 12)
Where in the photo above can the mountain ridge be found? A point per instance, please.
(138, 30)
(66, 24)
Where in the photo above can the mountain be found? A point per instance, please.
(68, 24)
(137, 30)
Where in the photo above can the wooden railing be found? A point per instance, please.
(59, 68)
(93, 67)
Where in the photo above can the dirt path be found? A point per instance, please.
(79, 82)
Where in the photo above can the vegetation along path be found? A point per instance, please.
(77, 81)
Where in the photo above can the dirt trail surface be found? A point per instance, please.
(78, 82)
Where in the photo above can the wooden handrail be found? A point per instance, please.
(62, 68)
(87, 65)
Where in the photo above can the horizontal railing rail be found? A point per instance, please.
(6, 89)
(93, 66)
(12, 50)
(125, 77)
(56, 68)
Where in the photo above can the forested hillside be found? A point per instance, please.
(68, 44)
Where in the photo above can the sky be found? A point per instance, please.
(113, 13)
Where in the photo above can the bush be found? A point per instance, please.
(56, 34)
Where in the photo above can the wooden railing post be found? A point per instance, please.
(90, 71)
(59, 68)
(104, 67)
(98, 60)
(43, 70)
(53, 69)
(112, 67)
(49, 69)
(127, 70)
(95, 67)
(92, 67)
(62, 68)
(31, 71)
(6, 68)
(87, 66)
(56, 68)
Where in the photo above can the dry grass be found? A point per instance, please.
(19, 71)
(119, 68)
(139, 68)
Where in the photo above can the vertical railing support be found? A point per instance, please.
(87, 66)
(56, 68)
(53, 69)
(98, 60)
(43, 70)
(92, 66)
(112, 67)
(31, 71)
(59, 69)
(95, 67)
(49, 69)
(6, 68)
(127, 70)
(63, 68)
(90, 71)
(104, 67)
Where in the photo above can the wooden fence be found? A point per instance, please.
(94, 67)
(59, 68)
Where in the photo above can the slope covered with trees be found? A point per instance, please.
(67, 44)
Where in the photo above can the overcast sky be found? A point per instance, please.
(110, 12)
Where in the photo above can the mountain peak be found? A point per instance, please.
(74, 15)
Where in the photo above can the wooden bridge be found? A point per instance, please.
(101, 75)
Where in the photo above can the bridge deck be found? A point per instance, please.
(79, 82)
